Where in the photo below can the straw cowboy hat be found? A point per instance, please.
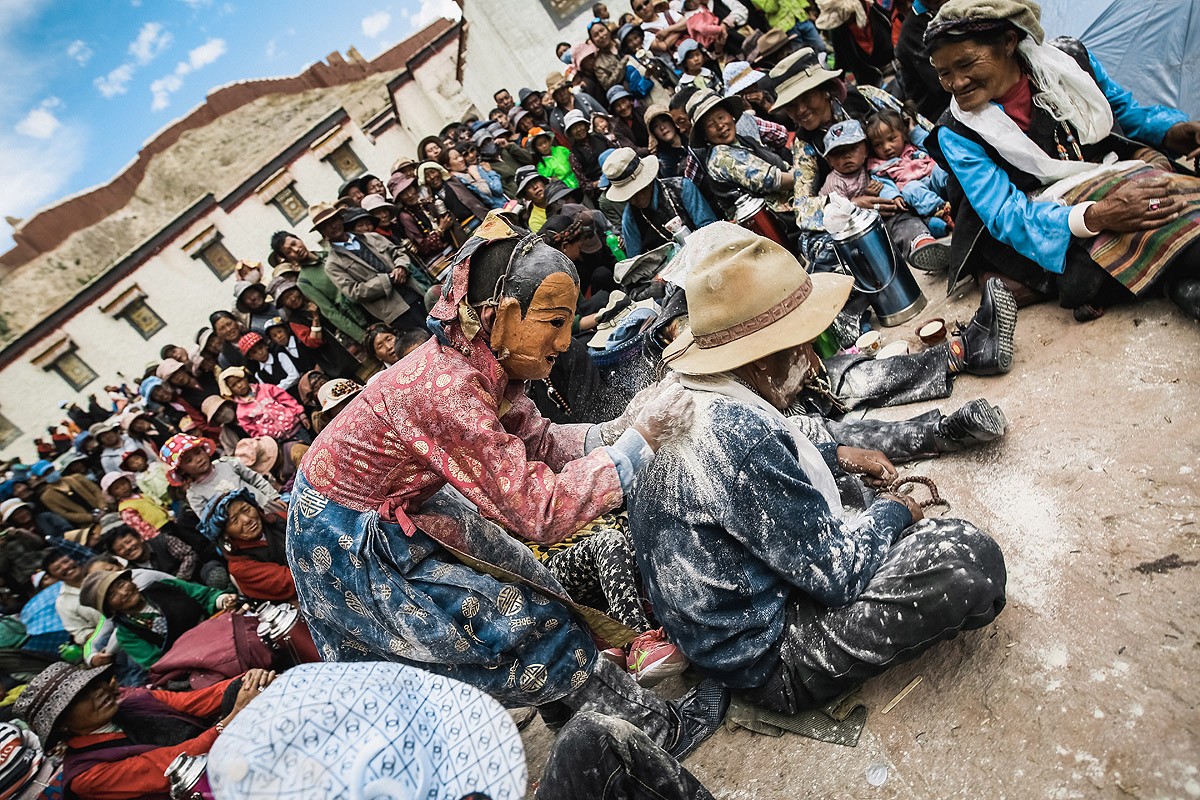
(731, 326)
(50, 693)
(798, 73)
(321, 213)
(628, 174)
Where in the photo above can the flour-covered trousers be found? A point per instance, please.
(604, 758)
(943, 576)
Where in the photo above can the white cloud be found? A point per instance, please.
(272, 50)
(79, 51)
(206, 53)
(36, 171)
(198, 57)
(115, 82)
(376, 23)
(151, 40)
(40, 123)
(431, 10)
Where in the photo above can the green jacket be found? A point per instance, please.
(147, 654)
(343, 313)
(784, 14)
(558, 165)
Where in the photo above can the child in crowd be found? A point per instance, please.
(666, 141)
(690, 57)
(149, 476)
(845, 148)
(137, 511)
(704, 26)
(263, 409)
(275, 367)
(555, 159)
(586, 148)
(922, 183)
(190, 464)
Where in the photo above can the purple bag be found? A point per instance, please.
(222, 647)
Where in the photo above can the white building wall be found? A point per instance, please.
(182, 290)
(432, 98)
(510, 44)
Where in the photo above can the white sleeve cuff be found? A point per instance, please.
(1076, 222)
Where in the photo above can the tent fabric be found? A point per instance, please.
(1150, 47)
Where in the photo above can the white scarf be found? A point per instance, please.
(809, 458)
(1067, 92)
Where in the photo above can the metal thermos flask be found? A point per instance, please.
(865, 248)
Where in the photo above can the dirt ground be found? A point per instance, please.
(1086, 685)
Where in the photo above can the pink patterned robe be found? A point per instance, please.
(440, 417)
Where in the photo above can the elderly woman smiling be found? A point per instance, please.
(1032, 138)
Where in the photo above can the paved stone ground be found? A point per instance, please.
(1086, 685)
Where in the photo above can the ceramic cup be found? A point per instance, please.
(869, 343)
(932, 331)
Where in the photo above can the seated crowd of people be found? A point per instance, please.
(558, 408)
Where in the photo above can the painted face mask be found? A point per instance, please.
(534, 300)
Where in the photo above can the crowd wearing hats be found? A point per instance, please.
(557, 410)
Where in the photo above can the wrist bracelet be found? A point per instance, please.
(1077, 223)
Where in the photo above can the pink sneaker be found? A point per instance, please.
(616, 655)
(652, 659)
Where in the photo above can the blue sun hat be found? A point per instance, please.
(350, 730)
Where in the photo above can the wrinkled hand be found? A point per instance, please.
(875, 468)
(886, 208)
(1135, 206)
(253, 682)
(399, 275)
(666, 416)
(908, 500)
(1183, 139)
(445, 222)
(227, 602)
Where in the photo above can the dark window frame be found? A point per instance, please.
(345, 175)
(203, 255)
(57, 367)
(9, 431)
(299, 198)
(127, 314)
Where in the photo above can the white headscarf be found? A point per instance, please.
(1064, 90)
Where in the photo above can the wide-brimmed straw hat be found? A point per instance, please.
(51, 692)
(628, 174)
(703, 103)
(731, 326)
(321, 213)
(768, 43)
(259, 453)
(739, 76)
(336, 392)
(798, 73)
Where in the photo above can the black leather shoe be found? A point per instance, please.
(988, 339)
(975, 423)
(701, 712)
(1185, 293)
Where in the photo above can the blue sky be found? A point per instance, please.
(84, 85)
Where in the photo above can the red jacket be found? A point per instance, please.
(142, 774)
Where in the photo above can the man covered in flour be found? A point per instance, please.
(751, 564)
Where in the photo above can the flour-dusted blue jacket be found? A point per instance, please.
(727, 526)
